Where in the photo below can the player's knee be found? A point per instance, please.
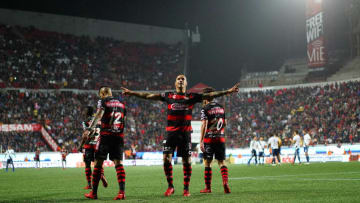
(118, 162)
(207, 163)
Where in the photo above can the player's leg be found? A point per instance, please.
(278, 155)
(208, 157)
(255, 155)
(168, 150)
(120, 174)
(184, 150)
(7, 164)
(306, 150)
(116, 154)
(252, 155)
(273, 155)
(13, 167)
(220, 156)
(101, 153)
(87, 172)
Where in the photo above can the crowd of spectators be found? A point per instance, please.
(331, 113)
(35, 59)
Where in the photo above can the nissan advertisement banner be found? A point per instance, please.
(316, 51)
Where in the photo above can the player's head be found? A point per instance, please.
(207, 90)
(255, 138)
(105, 92)
(261, 139)
(89, 111)
(181, 83)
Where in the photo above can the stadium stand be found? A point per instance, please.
(36, 59)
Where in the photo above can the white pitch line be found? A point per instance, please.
(294, 175)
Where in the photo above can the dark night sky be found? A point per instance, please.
(258, 33)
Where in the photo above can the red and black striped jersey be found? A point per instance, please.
(179, 113)
(64, 153)
(91, 141)
(214, 113)
(113, 120)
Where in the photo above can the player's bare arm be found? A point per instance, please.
(215, 94)
(204, 124)
(143, 95)
(99, 114)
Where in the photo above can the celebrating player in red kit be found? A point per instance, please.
(180, 105)
(89, 145)
(112, 114)
(212, 140)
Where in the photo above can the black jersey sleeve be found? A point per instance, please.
(164, 96)
(203, 114)
(196, 97)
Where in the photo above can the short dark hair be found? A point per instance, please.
(208, 90)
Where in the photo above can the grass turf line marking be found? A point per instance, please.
(295, 175)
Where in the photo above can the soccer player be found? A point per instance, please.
(273, 143)
(10, 154)
(89, 148)
(37, 158)
(112, 114)
(296, 142)
(64, 153)
(212, 140)
(133, 152)
(254, 146)
(307, 142)
(262, 145)
(180, 105)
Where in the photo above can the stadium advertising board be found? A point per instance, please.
(20, 127)
(316, 51)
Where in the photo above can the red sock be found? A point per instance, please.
(207, 177)
(96, 178)
(187, 175)
(168, 169)
(88, 175)
(120, 172)
(224, 174)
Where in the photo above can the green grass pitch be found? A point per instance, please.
(317, 182)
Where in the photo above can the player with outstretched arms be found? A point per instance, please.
(88, 147)
(212, 140)
(10, 154)
(112, 113)
(179, 115)
(307, 143)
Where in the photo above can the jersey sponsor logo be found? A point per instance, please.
(179, 107)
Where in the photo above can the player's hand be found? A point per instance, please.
(125, 91)
(202, 148)
(235, 88)
(86, 134)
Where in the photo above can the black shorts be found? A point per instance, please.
(217, 149)
(9, 161)
(275, 152)
(110, 144)
(261, 154)
(181, 141)
(89, 155)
